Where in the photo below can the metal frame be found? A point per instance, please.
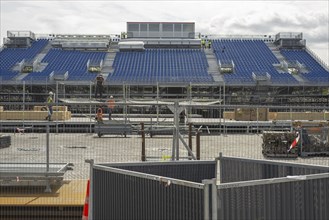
(27, 174)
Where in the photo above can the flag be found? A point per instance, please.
(294, 143)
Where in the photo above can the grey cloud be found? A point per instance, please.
(271, 23)
(319, 37)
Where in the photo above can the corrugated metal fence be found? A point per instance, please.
(262, 189)
(150, 190)
(235, 169)
(248, 189)
(280, 198)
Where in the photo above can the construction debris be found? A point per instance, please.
(314, 141)
(310, 141)
(277, 143)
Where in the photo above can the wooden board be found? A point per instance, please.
(34, 115)
(70, 193)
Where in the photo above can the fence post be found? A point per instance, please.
(291, 120)
(206, 205)
(47, 146)
(198, 145)
(190, 138)
(23, 104)
(213, 194)
(48, 189)
(220, 167)
(210, 199)
(143, 142)
(56, 101)
(90, 92)
(176, 121)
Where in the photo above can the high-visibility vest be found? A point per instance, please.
(50, 99)
(111, 103)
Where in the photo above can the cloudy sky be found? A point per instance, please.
(211, 17)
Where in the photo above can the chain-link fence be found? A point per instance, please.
(42, 154)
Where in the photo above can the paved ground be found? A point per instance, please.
(75, 148)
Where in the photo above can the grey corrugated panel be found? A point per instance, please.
(130, 197)
(308, 196)
(237, 169)
(324, 190)
(296, 200)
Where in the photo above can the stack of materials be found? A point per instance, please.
(277, 144)
(314, 141)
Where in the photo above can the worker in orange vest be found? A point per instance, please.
(99, 115)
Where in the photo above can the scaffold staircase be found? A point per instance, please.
(108, 62)
(213, 66)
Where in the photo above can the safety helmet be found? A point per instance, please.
(51, 93)
(111, 97)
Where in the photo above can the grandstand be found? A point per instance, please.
(169, 63)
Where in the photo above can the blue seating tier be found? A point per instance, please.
(249, 56)
(75, 62)
(316, 74)
(9, 57)
(161, 65)
(166, 65)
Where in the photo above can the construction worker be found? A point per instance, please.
(99, 85)
(99, 114)
(203, 43)
(182, 117)
(110, 105)
(209, 44)
(50, 101)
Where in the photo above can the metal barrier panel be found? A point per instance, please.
(234, 169)
(118, 195)
(182, 170)
(284, 198)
